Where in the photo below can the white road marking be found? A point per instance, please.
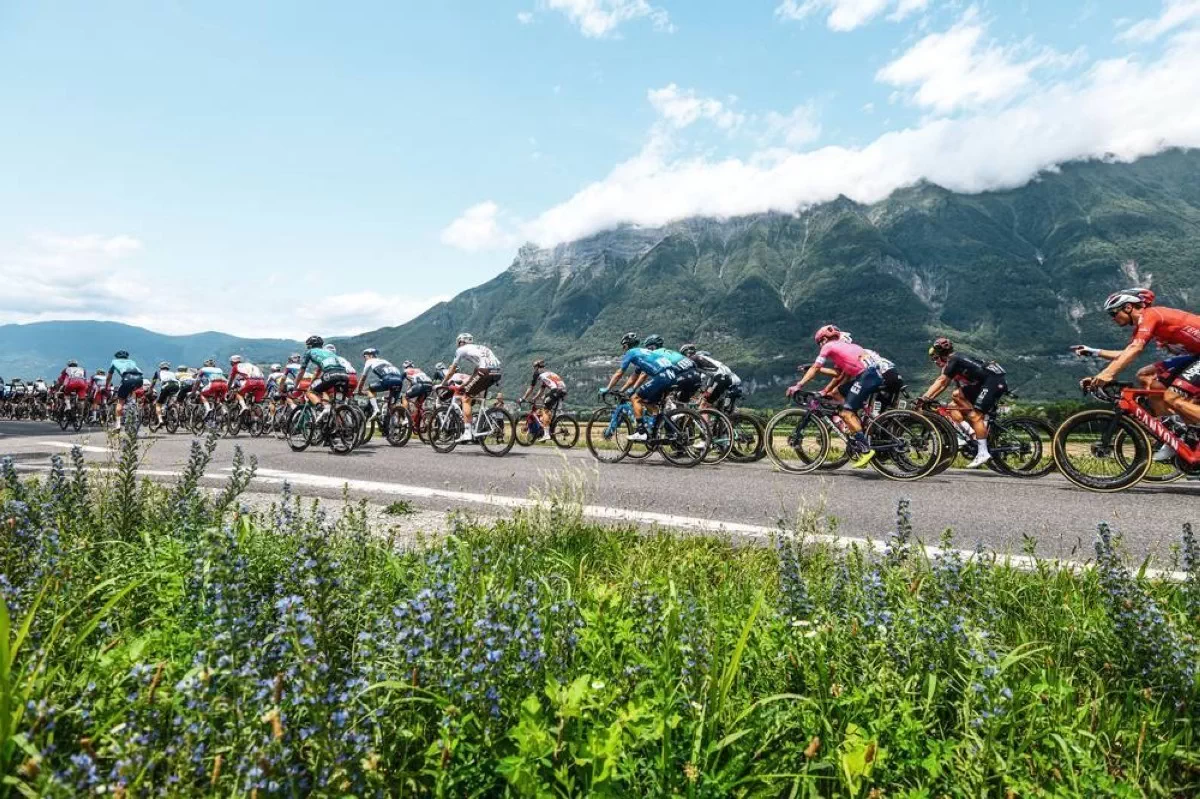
(603, 512)
(84, 447)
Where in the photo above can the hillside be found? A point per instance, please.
(42, 348)
(1018, 275)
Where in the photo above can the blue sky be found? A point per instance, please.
(276, 168)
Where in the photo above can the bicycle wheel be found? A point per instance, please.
(607, 438)
(445, 428)
(1101, 450)
(234, 421)
(907, 445)
(949, 436)
(747, 445)
(398, 429)
(528, 430)
(684, 437)
(1020, 447)
(63, 419)
(342, 429)
(797, 440)
(720, 431)
(564, 430)
(299, 428)
(839, 449)
(1158, 472)
(502, 435)
(256, 421)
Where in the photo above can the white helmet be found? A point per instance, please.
(235, 359)
(465, 338)
(331, 348)
(1134, 296)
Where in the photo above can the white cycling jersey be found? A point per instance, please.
(380, 369)
(249, 371)
(167, 376)
(481, 356)
(349, 367)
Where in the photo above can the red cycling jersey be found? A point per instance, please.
(1170, 326)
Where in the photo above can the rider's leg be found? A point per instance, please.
(1148, 378)
(1184, 395)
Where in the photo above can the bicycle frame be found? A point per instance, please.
(1130, 406)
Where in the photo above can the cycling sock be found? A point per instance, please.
(982, 444)
(966, 428)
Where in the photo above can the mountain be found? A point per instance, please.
(43, 348)
(1016, 275)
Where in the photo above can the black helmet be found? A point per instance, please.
(653, 342)
(164, 365)
(629, 340)
(688, 349)
(407, 365)
(540, 363)
(312, 342)
(122, 354)
(370, 352)
(942, 347)
(72, 363)
(211, 362)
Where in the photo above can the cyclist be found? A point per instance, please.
(1172, 328)
(722, 381)
(652, 376)
(688, 378)
(351, 373)
(291, 372)
(96, 391)
(275, 376)
(73, 381)
(485, 375)
(868, 371)
(168, 386)
(329, 374)
(131, 380)
(550, 385)
(981, 384)
(212, 383)
(40, 389)
(378, 375)
(246, 378)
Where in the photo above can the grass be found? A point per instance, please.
(160, 640)
(400, 507)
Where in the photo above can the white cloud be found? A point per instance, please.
(477, 229)
(846, 15)
(70, 276)
(681, 108)
(794, 129)
(1123, 108)
(525, 17)
(961, 68)
(599, 18)
(1175, 14)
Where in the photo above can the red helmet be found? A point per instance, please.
(1133, 296)
(827, 332)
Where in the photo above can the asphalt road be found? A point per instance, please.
(982, 508)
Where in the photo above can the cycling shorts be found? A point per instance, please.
(688, 383)
(480, 381)
(77, 387)
(718, 386)
(419, 391)
(166, 391)
(253, 387)
(329, 381)
(554, 398)
(867, 383)
(1167, 370)
(389, 383)
(984, 395)
(215, 390)
(130, 383)
(652, 390)
(1187, 381)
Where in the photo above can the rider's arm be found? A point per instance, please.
(937, 388)
(1126, 357)
(1084, 351)
(450, 370)
(612, 381)
(635, 382)
(809, 375)
(832, 385)
(108, 377)
(362, 384)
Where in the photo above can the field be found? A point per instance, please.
(163, 640)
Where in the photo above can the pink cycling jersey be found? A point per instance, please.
(850, 359)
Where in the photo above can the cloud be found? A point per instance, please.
(846, 15)
(597, 19)
(681, 108)
(1175, 14)
(1122, 108)
(525, 17)
(70, 275)
(961, 68)
(794, 129)
(477, 229)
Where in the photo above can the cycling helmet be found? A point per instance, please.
(164, 365)
(276, 367)
(331, 348)
(182, 368)
(827, 332)
(1134, 296)
(942, 347)
(465, 338)
(122, 354)
(312, 342)
(370, 352)
(235, 359)
(846, 337)
(653, 342)
(688, 349)
(294, 358)
(441, 367)
(210, 362)
(72, 363)
(540, 363)
(629, 340)
(407, 365)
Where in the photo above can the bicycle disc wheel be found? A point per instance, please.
(686, 439)
(445, 428)
(502, 436)
(747, 445)
(797, 440)
(608, 438)
(564, 430)
(1101, 450)
(399, 428)
(907, 445)
(720, 431)
(299, 429)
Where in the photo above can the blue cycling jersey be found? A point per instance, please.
(124, 366)
(648, 362)
(680, 361)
